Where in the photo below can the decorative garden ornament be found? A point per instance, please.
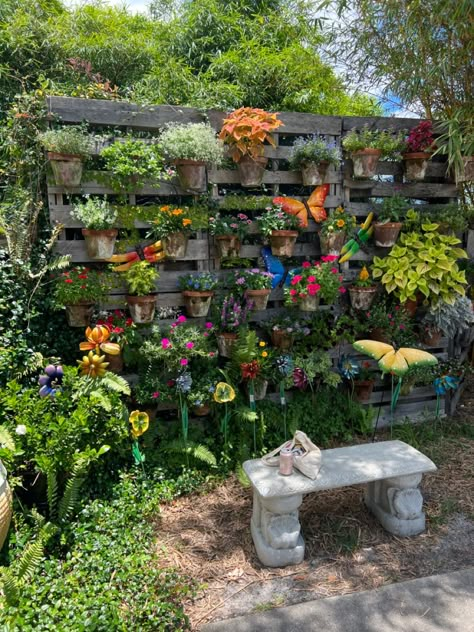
(353, 245)
(314, 204)
(97, 340)
(152, 253)
(93, 365)
(51, 381)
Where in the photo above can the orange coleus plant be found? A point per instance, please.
(245, 131)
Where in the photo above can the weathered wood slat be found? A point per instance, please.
(271, 177)
(378, 122)
(418, 190)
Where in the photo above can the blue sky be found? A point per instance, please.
(137, 6)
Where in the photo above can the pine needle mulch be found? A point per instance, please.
(207, 537)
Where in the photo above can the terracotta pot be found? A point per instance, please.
(432, 337)
(67, 169)
(192, 175)
(225, 343)
(175, 245)
(201, 411)
(411, 307)
(251, 170)
(115, 362)
(258, 299)
(415, 165)
(363, 389)
(332, 243)
(282, 340)
(79, 315)
(260, 389)
(314, 174)
(386, 235)
(467, 172)
(283, 242)
(310, 303)
(362, 297)
(142, 308)
(365, 162)
(227, 245)
(100, 243)
(5, 504)
(379, 335)
(197, 303)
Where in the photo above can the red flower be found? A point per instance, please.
(82, 276)
(170, 383)
(250, 370)
(329, 258)
(313, 289)
(293, 292)
(342, 289)
(306, 264)
(118, 313)
(118, 330)
(311, 279)
(67, 280)
(296, 279)
(129, 322)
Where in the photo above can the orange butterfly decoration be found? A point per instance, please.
(314, 204)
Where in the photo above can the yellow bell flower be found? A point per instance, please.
(93, 365)
(140, 422)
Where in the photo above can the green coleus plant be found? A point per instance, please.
(423, 263)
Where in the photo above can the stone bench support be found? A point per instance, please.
(391, 471)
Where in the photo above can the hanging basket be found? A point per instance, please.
(225, 343)
(175, 245)
(365, 162)
(79, 314)
(309, 303)
(197, 303)
(227, 246)
(332, 243)
(251, 170)
(386, 235)
(5, 505)
(192, 175)
(142, 308)
(314, 174)
(100, 243)
(67, 169)
(283, 242)
(282, 340)
(258, 299)
(362, 297)
(416, 164)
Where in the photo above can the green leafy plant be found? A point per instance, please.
(132, 163)
(70, 139)
(141, 278)
(275, 218)
(392, 209)
(95, 213)
(338, 221)
(198, 282)
(389, 143)
(233, 202)
(231, 314)
(81, 284)
(423, 262)
(313, 150)
(392, 320)
(192, 141)
(449, 217)
(229, 225)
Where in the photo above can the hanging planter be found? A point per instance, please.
(332, 243)
(5, 505)
(314, 174)
(363, 390)
(257, 298)
(362, 297)
(67, 169)
(79, 314)
(251, 170)
(365, 162)
(115, 362)
(225, 343)
(416, 164)
(386, 234)
(192, 175)
(142, 308)
(309, 303)
(100, 243)
(283, 242)
(197, 303)
(227, 246)
(175, 245)
(281, 339)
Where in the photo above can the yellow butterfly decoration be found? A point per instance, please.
(394, 361)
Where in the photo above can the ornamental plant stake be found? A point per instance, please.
(140, 422)
(224, 394)
(285, 368)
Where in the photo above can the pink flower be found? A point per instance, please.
(402, 327)
(306, 264)
(296, 279)
(181, 319)
(212, 354)
(313, 289)
(170, 383)
(293, 292)
(390, 315)
(184, 362)
(334, 270)
(208, 325)
(342, 289)
(155, 395)
(189, 345)
(368, 314)
(165, 343)
(329, 258)
(205, 334)
(311, 279)
(397, 307)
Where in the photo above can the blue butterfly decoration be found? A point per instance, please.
(273, 265)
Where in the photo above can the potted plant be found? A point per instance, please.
(312, 282)
(78, 289)
(141, 280)
(245, 131)
(388, 224)
(192, 146)
(67, 149)
(228, 232)
(98, 217)
(335, 231)
(362, 292)
(446, 319)
(313, 156)
(280, 228)
(285, 331)
(202, 392)
(416, 152)
(131, 163)
(364, 381)
(255, 285)
(231, 315)
(389, 323)
(366, 147)
(123, 332)
(198, 290)
(252, 364)
(423, 263)
(173, 226)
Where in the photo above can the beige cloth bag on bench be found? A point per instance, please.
(306, 455)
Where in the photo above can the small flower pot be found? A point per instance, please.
(6, 504)
(309, 303)
(115, 362)
(260, 389)
(79, 314)
(365, 162)
(192, 175)
(411, 308)
(100, 243)
(314, 174)
(67, 169)
(227, 246)
(281, 339)
(416, 164)
(283, 242)
(257, 298)
(431, 337)
(363, 389)
(201, 411)
(362, 297)
(142, 308)
(332, 243)
(386, 235)
(380, 335)
(197, 303)
(175, 245)
(251, 171)
(225, 343)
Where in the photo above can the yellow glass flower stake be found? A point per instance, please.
(395, 362)
(140, 422)
(93, 365)
(224, 394)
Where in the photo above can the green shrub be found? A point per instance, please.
(66, 140)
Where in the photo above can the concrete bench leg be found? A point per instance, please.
(276, 530)
(397, 503)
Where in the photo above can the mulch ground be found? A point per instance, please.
(207, 537)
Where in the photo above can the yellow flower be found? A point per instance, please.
(364, 274)
(93, 365)
(140, 422)
(340, 223)
(339, 209)
(224, 393)
(186, 222)
(262, 344)
(264, 354)
(164, 208)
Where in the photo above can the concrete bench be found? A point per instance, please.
(391, 471)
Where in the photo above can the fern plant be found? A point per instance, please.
(189, 450)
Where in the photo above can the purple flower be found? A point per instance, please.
(240, 281)
(255, 271)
